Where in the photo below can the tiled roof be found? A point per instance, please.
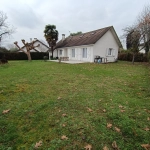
(83, 39)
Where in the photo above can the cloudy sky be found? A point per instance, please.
(29, 17)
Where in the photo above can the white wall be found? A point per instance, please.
(103, 44)
(55, 53)
(78, 53)
(142, 49)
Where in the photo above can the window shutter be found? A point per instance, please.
(114, 51)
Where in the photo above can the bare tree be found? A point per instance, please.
(28, 46)
(139, 33)
(133, 39)
(5, 28)
(143, 25)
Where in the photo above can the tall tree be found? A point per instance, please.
(143, 25)
(5, 28)
(128, 39)
(133, 38)
(51, 36)
(139, 33)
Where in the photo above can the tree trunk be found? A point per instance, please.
(133, 58)
(29, 55)
(52, 50)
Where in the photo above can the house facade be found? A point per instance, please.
(85, 47)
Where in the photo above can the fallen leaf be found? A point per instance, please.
(64, 115)
(114, 145)
(59, 98)
(148, 118)
(63, 125)
(145, 146)
(111, 99)
(109, 125)
(88, 147)
(105, 148)
(122, 110)
(104, 110)
(59, 111)
(38, 144)
(117, 129)
(148, 111)
(89, 109)
(5, 111)
(146, 129)
(120, 106)
(64, 137)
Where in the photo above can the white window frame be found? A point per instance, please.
(60, 52)
(73, 53)
(84, 52)
(110, 52)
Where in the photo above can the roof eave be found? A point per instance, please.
(74, 46)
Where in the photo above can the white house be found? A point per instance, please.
(86, 46)
(41, 48)
(142, 48)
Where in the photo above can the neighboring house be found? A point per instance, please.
(86, 46)
(142, 48)
(42, 48)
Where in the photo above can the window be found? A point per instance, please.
(73, 52)
(84, 54)
(110, 51)
(60, 52)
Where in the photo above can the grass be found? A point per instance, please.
(39, 95)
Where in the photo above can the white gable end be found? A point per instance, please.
(106, 43)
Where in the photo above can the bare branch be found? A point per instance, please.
(5, 28)
(16, 43)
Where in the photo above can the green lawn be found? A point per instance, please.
(48, 100)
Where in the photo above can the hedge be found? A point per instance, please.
(23, 56)
(139, 57)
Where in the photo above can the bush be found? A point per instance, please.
(45, 58)
(127, 56)
(23, 56)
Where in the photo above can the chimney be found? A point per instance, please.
(63, 37)
(30, 40)
(35, 39)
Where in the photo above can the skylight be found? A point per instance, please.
(93, 33)
(81, 35)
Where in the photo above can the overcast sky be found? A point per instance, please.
(29, 17)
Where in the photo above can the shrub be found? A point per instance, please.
(23, 56)
(127, 56)
(45, 58)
